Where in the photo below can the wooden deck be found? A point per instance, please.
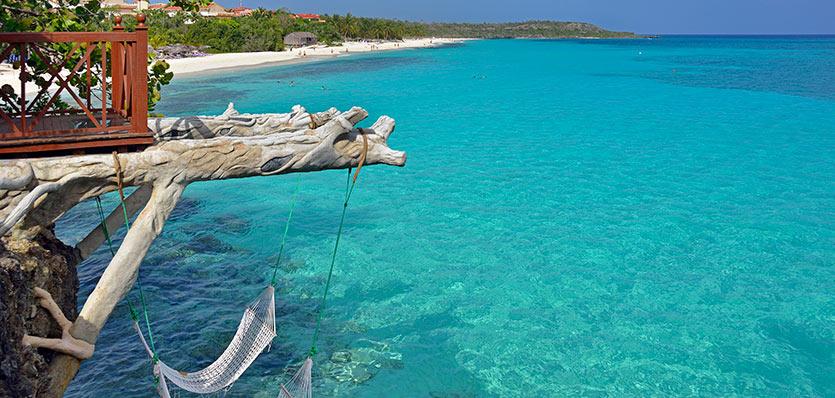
(109, 112)
(72, 134)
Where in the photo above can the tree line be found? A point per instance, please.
(264, 30)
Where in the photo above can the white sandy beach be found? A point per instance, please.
(236, 60)
(214, 62)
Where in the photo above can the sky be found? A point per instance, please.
(640, 16)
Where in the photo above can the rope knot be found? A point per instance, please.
(133, 315)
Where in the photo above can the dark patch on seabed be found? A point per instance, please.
(351, 65)
(781, 76)
(185, 208)
(232, 223)
(207, 243)
(771, 64)
(445, 46)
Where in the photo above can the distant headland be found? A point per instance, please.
(529, 29)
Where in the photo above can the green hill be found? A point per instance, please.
(530, 29)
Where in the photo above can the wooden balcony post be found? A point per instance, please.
(117, 68)
(24, 57)
(139, 77)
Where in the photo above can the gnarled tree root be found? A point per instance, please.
(67, 344)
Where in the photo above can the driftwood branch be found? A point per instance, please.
(193, 149)
(115, 220)
(67, 344)
(34, 193)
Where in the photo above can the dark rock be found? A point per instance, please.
(341, 357)
(362, 362)
(176, 51)
(46, 263)
(232, 224)
(207, 243)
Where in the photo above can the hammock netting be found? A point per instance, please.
(255, 333)
(300, 385)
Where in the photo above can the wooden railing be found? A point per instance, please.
(114, 62)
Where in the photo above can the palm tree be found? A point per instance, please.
(351, 26)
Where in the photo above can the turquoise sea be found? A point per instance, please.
(576, 218)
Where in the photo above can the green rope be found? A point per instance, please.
(286, 229)
(133, 313)
(155, 358)
(124, 210)
(104, 226)
(349, 189)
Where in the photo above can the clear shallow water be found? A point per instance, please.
(577, 218)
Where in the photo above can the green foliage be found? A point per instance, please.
(41, 16)
(158, 76)
(259, 32)
(189, 5)
(264, 30)
(74, 16)
(351, 27)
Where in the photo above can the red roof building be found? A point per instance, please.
(169, 9)
(240, 11)
(308, 17)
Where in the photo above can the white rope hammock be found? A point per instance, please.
(300, 386)
(255, 333)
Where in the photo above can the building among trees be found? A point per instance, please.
(300, 39)
(309, 17)
(123, 7)
(214, 10)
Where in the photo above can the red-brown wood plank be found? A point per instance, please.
(66, 37)
(86, 144)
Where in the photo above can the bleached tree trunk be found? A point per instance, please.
(34, 193)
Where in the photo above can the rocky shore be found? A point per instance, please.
(25, 264)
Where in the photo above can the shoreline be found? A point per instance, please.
(231, 61)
